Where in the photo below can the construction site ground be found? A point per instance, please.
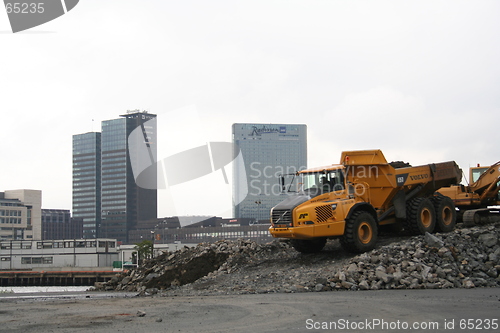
(446, 310)
(433, 282)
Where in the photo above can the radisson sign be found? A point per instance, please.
(258, 131)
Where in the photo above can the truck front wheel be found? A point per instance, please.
(420, 216)
(309, 245)
(360, 233)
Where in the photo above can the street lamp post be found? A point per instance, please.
(152, 244)
(258, 202)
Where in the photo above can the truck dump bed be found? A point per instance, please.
(381, 184)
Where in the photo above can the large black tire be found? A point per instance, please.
(309, 245)
(420, 216)
(360, 233)
(446, 215)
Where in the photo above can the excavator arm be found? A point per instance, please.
(487, 184)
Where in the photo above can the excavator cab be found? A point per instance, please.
(476, 172)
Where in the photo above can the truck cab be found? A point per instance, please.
(318, 208)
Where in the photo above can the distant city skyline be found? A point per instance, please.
(418, 80)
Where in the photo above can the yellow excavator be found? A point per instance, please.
(475, 201)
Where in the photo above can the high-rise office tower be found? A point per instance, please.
(122, 202)
(268, 150)
(87, 181)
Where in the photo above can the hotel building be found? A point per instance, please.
(269, 151)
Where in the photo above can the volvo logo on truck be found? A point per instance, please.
(419, 177)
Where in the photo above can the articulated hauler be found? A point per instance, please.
(351, 200)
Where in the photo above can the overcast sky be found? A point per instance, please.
(418, 79)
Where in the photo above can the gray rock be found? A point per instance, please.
(319, 287)
(353, 268)
(433, 241)
(398, 276)
(126, 280)
(488, 240)
(346, 285)
(446, 284)
(419, 254)
(444, 251)
(429, 285)
(298, 288)
(151, 276)
(468, 284)
(152, 291)
(425, 272)
(380, 273)
(322, 281)
(492, 272)
(363, 285)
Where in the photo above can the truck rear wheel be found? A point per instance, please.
(420, 216)
(309, 245)
(446, 216)
(360, 233)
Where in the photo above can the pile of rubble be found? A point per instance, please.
(189, 264)
(464, 258)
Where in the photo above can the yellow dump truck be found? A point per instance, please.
(351, 200)
(475, 201)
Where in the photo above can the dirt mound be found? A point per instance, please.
(187, 272)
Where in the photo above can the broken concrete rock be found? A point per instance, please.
(433, 241)
(464, 258)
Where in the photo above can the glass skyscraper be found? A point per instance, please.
(122, 203)
(269, 151)
(87, 181)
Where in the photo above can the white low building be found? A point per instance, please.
(86, 254)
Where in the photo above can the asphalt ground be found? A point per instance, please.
(448, 310)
